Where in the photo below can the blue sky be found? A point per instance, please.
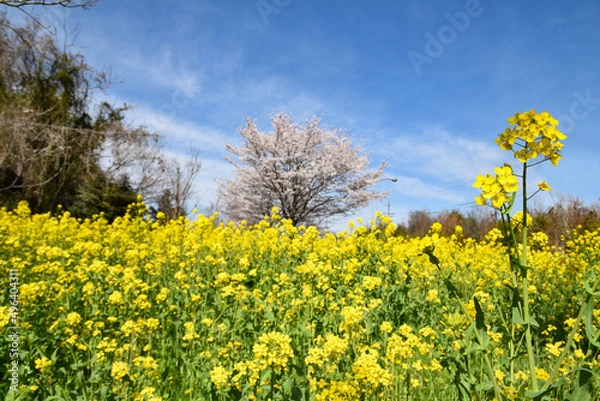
(425, 85)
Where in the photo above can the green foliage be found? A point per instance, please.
(50, 140)
(111, 200)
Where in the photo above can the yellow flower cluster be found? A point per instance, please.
(190, 331)
(147, 394)
(4, 316)
(353, 317)
(530, 136)
(533, 134)
(220, 377)
(518, 219)
(369, 373)
(497, 189)
(42, 364)
(73, 319)
(119, 370)
(273, 349)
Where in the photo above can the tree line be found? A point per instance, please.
(557, 221)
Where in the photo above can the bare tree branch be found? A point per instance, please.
(63, 3)
(180, 183)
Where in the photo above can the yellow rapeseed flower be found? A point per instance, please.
(190, 332)
(119, 370)
(116, 298)
(42, 364)
(544, 186)
(4, 316)
(147, 394)
(353, 316)
(220, 377)
(436, 227)
(367, 370)
(386, 327)
(532, 135)
(334, 346)
(273, 349)
(162, 295)
(497, 189)
(73, 319)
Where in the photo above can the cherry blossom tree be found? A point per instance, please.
(308, 172)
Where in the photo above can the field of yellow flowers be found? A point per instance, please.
(192, 310)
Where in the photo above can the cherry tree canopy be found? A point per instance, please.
(308, 172)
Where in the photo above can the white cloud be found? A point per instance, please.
(164, 70)
(180, 132)
(206, 187)
(305, 106)
(444, 156)
(413, 188)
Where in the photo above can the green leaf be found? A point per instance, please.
(287, 385)
(297, 394)
(537, 395)
(468, 335)
(506, 210)
(432, 258)
(457, 364)
(588, 318)
(269, 314)
(517, 317)
(483, 342)
(591, 276)
(11, 396)
(464, 386)
(485, 386)
(584, 377)
(462, 381)
(103, 392)
(451, 287)
(479, 316)
(533, 322)
(266, 376)
(581, 392)
(516, 262)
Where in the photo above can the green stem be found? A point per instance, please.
(511, 233)
(524, 222)
(528, 340)
(512, 354)
(517, 254)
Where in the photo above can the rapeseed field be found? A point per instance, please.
(191, 310)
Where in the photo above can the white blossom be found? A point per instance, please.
(308, 172)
